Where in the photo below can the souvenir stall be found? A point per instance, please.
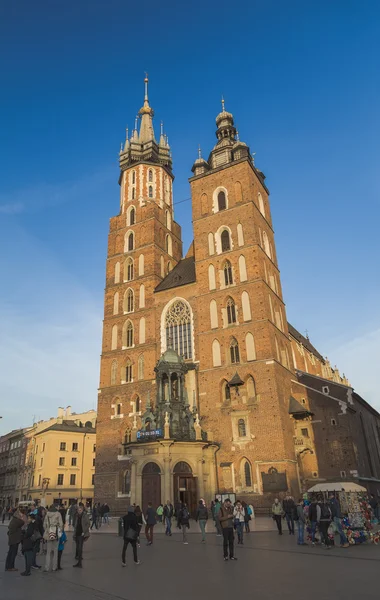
(353, 499)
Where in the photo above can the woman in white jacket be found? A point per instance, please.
(239, 514)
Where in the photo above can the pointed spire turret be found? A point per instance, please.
(162, 136)
(146, 112)
(126, 145)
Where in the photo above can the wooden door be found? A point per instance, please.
(151, 486)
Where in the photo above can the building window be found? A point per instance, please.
(343, 474)
(93, 479)
(127, 482)
(93, 462)
(61, 461)
(129, 301)
(222, 205)
(75, 446)
(178, 328)
(231, 311)
(128, 372)
(225, 239)
(325, 390)
(43, 447)
(62, 446)
(60, 479)
(305, 433)
(133, 177)
(39, 480)
(128, 269)
(137, 404)
(226, 392)
(315, 474)
(234, 352)
(247, 474)
(118, 409)
(72, 479)
(41, 462)
(141, 367)
(132, 216)
(94, 448)
(333, 422)
(227, 269)
(150, 191)
(113, 372)
(128, 436)
(129, 336)
(241, 428)
(150, 176)
(133, 193)
(74, 462)
(130, 241)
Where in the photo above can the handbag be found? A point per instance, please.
(35, 537)
(131, 534)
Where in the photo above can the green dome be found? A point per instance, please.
(171, 356)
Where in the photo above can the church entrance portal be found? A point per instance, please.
(185, 486)
(151, 485)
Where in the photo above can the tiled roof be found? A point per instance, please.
(304, 341)
(182, 274)
(69, 426)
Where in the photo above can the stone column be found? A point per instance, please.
(133, 483)
(167, 480)
(201, 487)
(138, 490)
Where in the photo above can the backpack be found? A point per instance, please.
(325, 511)
(185, 514)
(249, 510)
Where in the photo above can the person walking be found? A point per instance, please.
(14, 538)
(150, 519)
(277, 512)
(324, 519)
(226, 516)
(337, 519)
(247, 517)
(239, 520)
(300, 520)
(217, 507)
(81, 533)
(131, 534)
(61, 546)
(168, 515)
(94, 516)
(106, 514)
(140, 522)
(53, 527)
(159, 513)
(183, 521)
(289, 507)
(202, 517)
(313, 518)
(28, 541)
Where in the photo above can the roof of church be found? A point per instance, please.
(304, 341)
(182, 274)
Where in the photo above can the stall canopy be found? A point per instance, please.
(338, 486)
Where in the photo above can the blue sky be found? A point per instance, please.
(302, 81)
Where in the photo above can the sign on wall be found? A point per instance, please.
(145, 436)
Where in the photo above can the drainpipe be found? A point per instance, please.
(81, 474)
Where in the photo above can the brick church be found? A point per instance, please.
(204, 387)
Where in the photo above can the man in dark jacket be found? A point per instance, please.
(150, 519)
(28, 543)
(337, 519)
(313, 517)
(14, 538)
(168, 515)
(225, 517)
(375, 506)
(131, 532)
(290, 509)
(202, 517)
(183, 517)
(81, 533)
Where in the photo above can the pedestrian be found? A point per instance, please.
(168, 515)
(202, 517)
(247, 517)
(375, 506)
(52, 532)
(239, 519)
(61, 547)
(289, 507)
(150, 519)
(300, 520)
(38, 536)
(277, 513)
(226, 516)
(140, 522)
(106, 513)
(94, 516)
(131, 534)
(69, 514)
(81, 533)
(14, 538)
(324, 519)
(183, 523)
(337, 519)
(313, 518)
(27, 544)
(217, 508)
(3, 514)
(62, 511)
(159, 512)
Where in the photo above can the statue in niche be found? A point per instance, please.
(175, 389)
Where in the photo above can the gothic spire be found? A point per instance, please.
(146, 112)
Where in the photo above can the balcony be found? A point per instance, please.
(299, 441)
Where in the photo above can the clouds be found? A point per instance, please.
(12, 208)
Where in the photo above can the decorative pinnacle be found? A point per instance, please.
(162, 128)
(237, 135)
(136, 118)
(126, 133)
(222, 104)
(146, 85)
(199, 151)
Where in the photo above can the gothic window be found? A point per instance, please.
(114, 338)
(226, 392)
(234, 352)
(141, 367)
(128, 372)
(117, 273)
(211, 277)
(142, 331)
(150, 191)
(213, 314)
(225, 239)
(266, 244)
(150, 176)
(246, 306)
(137, 404)
(133, 177)
(168, 245)
(178, 328)
(128, 269)
(222, 201)
(241, 428)
(118, 409)
(113, 372)
(251, 390)
(132, 216)
(261, 204)
(227, 269)
(211, 244)
(127, 482)
(250, 346)
(129, 301)
(130, 242)
(216, 356)
(116, 303)
(142, 296)
(133, 193)
(247, 474)
(167, 219)
(169, 267)
(129, 334)
(231, 312)
(128, 436)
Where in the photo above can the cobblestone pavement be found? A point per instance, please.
(269, 567)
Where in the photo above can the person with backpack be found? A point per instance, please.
(324, 520)
(81, 533)
(300, 519)
(202, 517)
(53, 526)
(140, 522)
(61, 546)
(183, 521)
(290, 509)
(159, 513)
(131, 534)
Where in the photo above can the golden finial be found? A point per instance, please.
(222, 104)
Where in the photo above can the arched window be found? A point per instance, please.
(216, 356)
(132, 217)
(225, 239)
(211, 244)
(150, 176)
(261, 204)
(137, 404)
(133, 177)
(128, 371)
(211, 277)
(178, 328)
(113, 372)
(133, 193)
(142, 296)
(116, 303)
(114, 338)
(169, 267)
(168, 220)
(231, 311)
(141, 264)
(141, 367)
(240, 234)
(251, 389)
(118, 409)
(117, 273)
(266, 244)
(127, 482)
(242, 268)
(168, 244)
(250, 346)
(241, 428)
(226, 392)
(128, 436)
(246, 306)
(150, 191)
(247, 474)
(128, 269)
(129, 242)
(128, 334)
(227, 269)
(213, 314)
(129, 301)
(222, 201)
(234, 352)
(142, 331)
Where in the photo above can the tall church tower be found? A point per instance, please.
(144, 244)
(244, 350)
